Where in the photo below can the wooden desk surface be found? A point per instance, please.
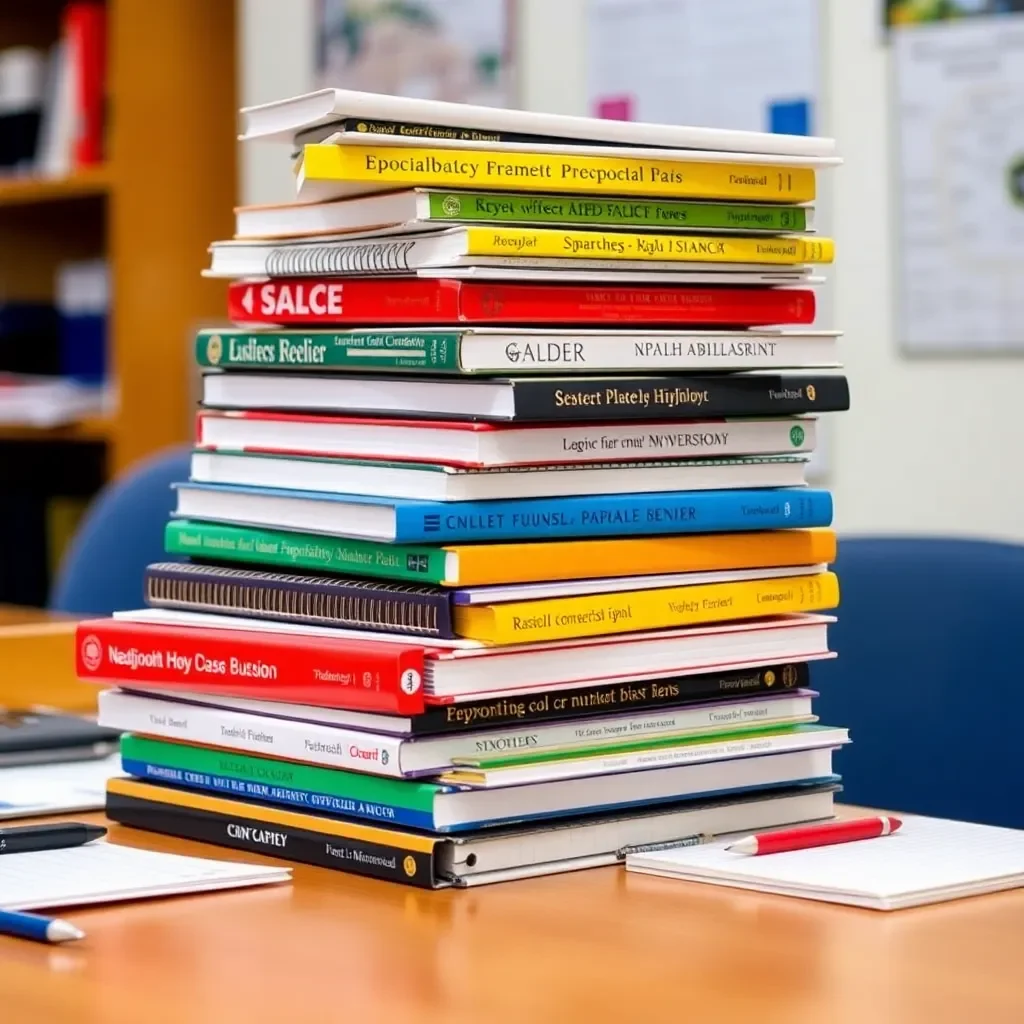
(591, 947)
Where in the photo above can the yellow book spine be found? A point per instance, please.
(271, 815)
(394, 167)
(562, 618)
(481, 564)
(623, 245)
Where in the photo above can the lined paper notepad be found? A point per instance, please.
(104, 873)
(929, 860)
(56, 788)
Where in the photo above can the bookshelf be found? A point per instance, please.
(166, 190)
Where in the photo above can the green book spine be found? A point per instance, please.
(218, 542)
(433, 351)
(327, 789)
(661, 215)
(651, 743)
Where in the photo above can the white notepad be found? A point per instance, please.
(929, 860)
(104, 873)
(69, 786)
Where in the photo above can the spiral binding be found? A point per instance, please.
(260, 595)
(339, 258)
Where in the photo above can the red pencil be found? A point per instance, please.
(816, 835)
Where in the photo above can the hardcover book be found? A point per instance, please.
(699, 727)
(457, 672)
(337, 171)
(436, 481)
(284, 119)
(489, 445)
(424, 301)
(491, 564)
(534, 399)
(410, 522)
(570, 702)
(426, 209)
(510, 350)
(465, 246)
(493, 855)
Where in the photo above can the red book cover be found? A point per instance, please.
(85, 30)
(358, 675)
(386, 301)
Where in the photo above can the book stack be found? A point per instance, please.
(497, 557)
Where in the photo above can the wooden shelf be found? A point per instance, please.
(30, 191)
(93, 429)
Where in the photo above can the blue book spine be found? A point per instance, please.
(617, 515)
(321, 803)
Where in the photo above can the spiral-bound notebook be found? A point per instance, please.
(928, 861)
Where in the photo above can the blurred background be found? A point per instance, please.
(118, 165)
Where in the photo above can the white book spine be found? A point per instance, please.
(668, 757)
(322, 745)
(633, 442)
(735, 351)
(428, 754)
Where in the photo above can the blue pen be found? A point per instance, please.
(33, 926)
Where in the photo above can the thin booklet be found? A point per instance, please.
(929, 860)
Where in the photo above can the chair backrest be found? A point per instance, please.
(928, 676)
(122, 532)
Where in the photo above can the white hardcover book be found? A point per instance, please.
(476, 773)
(286, 118)
(497, 350)
(482, 446)
(327, 746)
(429, 482)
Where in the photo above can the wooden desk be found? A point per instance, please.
(589, 947)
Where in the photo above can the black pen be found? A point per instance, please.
(59, 836)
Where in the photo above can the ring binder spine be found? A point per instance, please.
(319, 600)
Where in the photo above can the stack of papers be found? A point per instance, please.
(103, 873)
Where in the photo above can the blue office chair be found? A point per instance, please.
(929, 676)
(122, 532)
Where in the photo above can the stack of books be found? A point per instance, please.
(496, 558)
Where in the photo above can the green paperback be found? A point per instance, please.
(660, 215)
(433, 351)
(219, 542)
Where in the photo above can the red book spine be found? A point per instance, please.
(85, 31)
(678, 306)
(333, 300)
(325, 301)
(359, 675)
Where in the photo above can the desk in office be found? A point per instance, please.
(587, 947)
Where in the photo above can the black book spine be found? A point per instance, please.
(610, 698)
(416, 609)
(678, 397)
(356, 857)
(429, 132)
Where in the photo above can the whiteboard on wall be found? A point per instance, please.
(456, 50)
(959, 145)
(746, 64)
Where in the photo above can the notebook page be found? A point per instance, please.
(927, 858)
(56, 788)
(102, 872)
